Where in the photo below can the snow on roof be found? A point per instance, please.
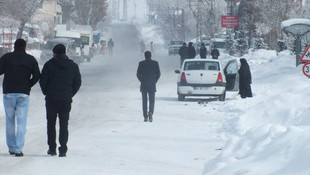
(296, 26)
(291, 22)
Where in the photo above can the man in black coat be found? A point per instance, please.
(215, 53)
(60, 81)
(183, 52)
(203, 51)
(21, 72)
(245, 79)
(148, 74)
(191, 51)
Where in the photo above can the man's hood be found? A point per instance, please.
(61, 60)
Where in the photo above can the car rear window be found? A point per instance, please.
(202, 65)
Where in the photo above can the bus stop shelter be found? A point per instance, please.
(300, 29)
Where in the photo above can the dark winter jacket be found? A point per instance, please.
(215, 54)
(21, 71)
(183, 52)
(60, 79)
(245, 79)
(148, 74)
(191, 52)
(203, 52)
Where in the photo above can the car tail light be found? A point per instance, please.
(183, 78)
(219, 78)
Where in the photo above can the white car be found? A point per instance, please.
(205, 77)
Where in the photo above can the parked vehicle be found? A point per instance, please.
(86, 33)
(76, 36)
(174, 47)
(204, 77)
(47, 52)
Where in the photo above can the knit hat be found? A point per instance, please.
(59, 49)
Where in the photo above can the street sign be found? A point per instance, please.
(306, 56)
(230, 21)
(306, 69)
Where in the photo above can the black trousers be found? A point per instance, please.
(60, 109)
(145, 102)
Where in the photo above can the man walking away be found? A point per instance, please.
(21, 72)
(183, 52)
(60, 81)
(148, 74)
(215, 53)
(191, 51)
(110, 46)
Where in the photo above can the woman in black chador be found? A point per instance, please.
(245, 79)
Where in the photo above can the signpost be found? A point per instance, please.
(306, 58)
(230, 21)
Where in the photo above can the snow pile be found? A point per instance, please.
(271, 135)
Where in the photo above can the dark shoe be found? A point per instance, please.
(19, 154)
(52, 153)
(62, 154)
(12, 153)
(145, 119)
(150, 116)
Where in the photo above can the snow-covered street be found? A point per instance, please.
(107, 132)
(266, 134)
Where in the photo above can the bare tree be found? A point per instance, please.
(89, 12)
(21, 10)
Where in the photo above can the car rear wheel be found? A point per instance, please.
(223, 96)
(181, 97)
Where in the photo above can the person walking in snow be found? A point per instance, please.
(21, 73)
(183, 52)
(148, 74)
(203, 51)
(245, 79)
(60, 81)
(152, 48)
(215, 53)
(191, 51)
(110, 46)
(142, 47)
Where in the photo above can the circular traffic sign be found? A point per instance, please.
(306, 69)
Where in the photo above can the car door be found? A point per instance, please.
(232, 75)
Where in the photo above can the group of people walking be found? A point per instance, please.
(189, 52)
(59, 80)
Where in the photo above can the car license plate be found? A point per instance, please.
(201, 88)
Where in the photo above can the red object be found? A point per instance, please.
(307, 54)
(230, 21)
(183, 78)
(306, 69)
(219, 78)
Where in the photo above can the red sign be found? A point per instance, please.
(230, 21)
(306, 56)
(306, 69)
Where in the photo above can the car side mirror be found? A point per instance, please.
(177, 71)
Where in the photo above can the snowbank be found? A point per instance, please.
(272, 134)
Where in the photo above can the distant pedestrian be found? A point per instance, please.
(110, 46)
(142, 47)
(21, 73)
(203, 51)
(183, 52)
(191, 51)
(148, 74)
(215, 53)
(152, 47)
(245, 79)
(60, 81)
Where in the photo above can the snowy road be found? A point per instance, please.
(107, 132)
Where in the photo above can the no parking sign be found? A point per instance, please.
(306, 58)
